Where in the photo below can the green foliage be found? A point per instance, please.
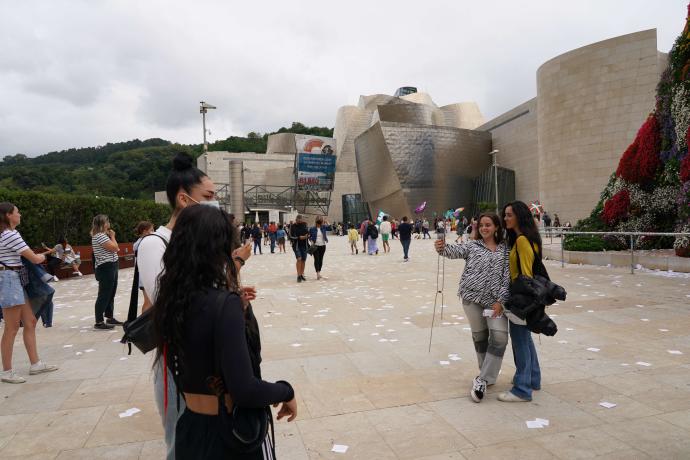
(299, 128)
(486, 206)
(133, 174)
(46, 216)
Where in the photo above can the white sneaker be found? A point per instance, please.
(79, 273)
(509, 396)
(478, 389)
(40, 368)
(11, 377)
(55, 279)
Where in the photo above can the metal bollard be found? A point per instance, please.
(632, 255)
(562, 251)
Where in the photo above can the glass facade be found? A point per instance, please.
(485, 188)
(354, 209)
(405, 90)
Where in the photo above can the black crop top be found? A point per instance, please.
(209, 332)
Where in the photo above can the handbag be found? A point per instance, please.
(311, 249)
(245, 428)
(138, 330)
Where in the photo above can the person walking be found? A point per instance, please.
(105, 249)
(394, 228)
(363, 233)
(405, 234)
(298, 237)
(280, 236)
(556, 221)
(202, 328)
(525, 245)
(256, 236)
(547, 223)
(385, 230)
(425, 229)
(484, 289)
(318, 236)
(15, 308)
(372, 234)
(272, 230)
(353, 237)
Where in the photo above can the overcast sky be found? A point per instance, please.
(85, 72)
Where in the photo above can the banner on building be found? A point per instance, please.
(315, 163)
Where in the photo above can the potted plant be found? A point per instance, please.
(682, 243)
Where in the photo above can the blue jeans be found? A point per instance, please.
(169, 418)
(406, 246)
(257, 244)
(273, 242)
(527, 371)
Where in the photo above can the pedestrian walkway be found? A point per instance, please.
(355, 347)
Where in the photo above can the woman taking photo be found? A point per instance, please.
(525, 245)
(483, 289)
(105, 264)
(63, 251)
(200, 320)
(13, 279)
(319, 238)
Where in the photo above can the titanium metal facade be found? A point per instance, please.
(401, 165)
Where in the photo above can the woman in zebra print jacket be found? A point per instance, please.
(483, 289)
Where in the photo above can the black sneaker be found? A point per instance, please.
(303, 278)
(103, 326)
(113, 321)
(478, 390)
(299, 279)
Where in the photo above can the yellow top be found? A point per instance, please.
(526, 257)
(352, 235)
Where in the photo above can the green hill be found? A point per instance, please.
(133, 169)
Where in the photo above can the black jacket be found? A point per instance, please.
(529, 297)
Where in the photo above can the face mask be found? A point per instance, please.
(213, 204)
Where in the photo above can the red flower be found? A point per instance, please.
(616, 208)
(641, 159)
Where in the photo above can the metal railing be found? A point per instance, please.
(632, 236)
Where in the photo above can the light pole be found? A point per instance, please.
(202, 110)
(493, 154)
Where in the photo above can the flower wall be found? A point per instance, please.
(650, 190)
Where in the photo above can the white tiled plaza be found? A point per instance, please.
(355, 347)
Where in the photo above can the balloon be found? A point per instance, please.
(420, 209)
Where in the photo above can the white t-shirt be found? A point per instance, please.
(319, 237)
(11, 246)
(150, 261)
(385, 228)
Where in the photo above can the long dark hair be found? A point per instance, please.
(183, 176)
(525, 222)
(498, 236)
(198, 258)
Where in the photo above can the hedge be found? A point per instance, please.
(46, 216)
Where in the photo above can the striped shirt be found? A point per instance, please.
(100, 254)
(11, 246)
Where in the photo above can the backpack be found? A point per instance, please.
(373, 232)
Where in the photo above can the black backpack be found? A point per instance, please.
(373, 231)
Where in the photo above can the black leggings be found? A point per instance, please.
(106, 275)
(318, 257)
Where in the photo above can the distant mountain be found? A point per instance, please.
(132, 169)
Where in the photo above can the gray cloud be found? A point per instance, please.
(78, 73)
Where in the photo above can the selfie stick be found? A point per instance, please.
(440, 273)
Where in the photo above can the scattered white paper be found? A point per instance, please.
(607, 405)
(124, 358)
(116, 340)
(593, 349)
(444, 363)
(663, 330)
(129, 412)
(533, 424)
(455, 358)
(67, 346)
(339, 448)
(543, 421)
(89, 350)
(296, 345)
(675, 352)
(644, 319)
(562, 341)
(79, 353)
(642, 363)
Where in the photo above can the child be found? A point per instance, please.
(353, 237)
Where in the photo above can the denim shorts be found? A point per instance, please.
(300, 252)
(11, 290)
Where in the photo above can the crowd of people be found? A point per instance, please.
(208, 350)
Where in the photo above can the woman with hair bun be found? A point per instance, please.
(186, 186)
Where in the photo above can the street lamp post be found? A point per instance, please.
(493, 154)
(202, 110)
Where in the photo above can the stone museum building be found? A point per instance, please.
(395, 152)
